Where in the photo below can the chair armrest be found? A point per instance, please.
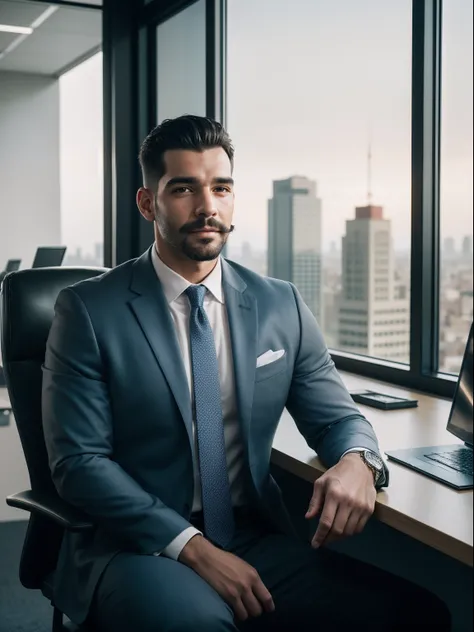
(53, 507)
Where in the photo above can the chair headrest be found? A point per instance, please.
(28, 299)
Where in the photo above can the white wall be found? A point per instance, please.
(29, 165)
(29, 213)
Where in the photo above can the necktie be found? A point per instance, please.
(216, 497)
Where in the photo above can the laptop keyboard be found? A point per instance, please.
(459, 460)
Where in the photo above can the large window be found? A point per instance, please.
(456, 278)
(81, 163)
(333, 107)
(319, 110)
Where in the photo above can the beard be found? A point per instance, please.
(196, 248)
(207, 249)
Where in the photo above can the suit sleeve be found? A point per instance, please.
(319, 402)
(78, 430)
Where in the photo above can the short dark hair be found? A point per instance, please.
(185, 132)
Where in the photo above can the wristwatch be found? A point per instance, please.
(375, 463)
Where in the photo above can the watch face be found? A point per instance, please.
(374, 460)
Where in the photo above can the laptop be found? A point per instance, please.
(449, 464)
(13, 265)
(49, 256)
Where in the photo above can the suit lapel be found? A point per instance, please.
(152, 312)
(242, 315)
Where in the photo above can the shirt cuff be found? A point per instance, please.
(352, 450)
(174, 548)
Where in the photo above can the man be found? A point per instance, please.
(164, 382)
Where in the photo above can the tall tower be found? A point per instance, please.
(372, 321)
(466, 247)
(294, 238)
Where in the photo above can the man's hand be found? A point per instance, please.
(345, 495)
(237, 582)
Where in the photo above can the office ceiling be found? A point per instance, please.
(67, 35)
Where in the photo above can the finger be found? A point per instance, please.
(349, 529)
(364, 518)
(251, 603)
(352, 522)
(239, 609)
(263, 595)
(343, 514)
(316, 502)
(326, 521)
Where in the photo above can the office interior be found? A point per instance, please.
(352, 124)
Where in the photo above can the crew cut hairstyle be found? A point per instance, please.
(185, 132)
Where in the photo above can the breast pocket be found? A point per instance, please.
(273, 368)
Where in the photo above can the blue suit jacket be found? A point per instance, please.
(117, 413)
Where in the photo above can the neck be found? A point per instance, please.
(193, 271)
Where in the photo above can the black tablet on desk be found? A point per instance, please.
(382, 400)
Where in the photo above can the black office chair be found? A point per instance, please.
(28, 299)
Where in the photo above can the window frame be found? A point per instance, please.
(131, 104)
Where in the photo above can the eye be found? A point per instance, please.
(181, 190)
(222, 189)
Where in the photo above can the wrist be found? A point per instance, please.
(194, 550)
(355, 457)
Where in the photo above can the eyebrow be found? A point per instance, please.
(189, 180)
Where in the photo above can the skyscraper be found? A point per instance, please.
(373, 314)
(449, 247)
(467, 246)
(294, 238)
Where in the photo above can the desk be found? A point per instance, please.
(414, 504)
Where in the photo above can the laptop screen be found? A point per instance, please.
(460, 421)
(47, 256)
(13, 265)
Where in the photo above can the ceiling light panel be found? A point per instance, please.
(20, 13)
(18, 30)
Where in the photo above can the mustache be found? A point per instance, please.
(201, 223)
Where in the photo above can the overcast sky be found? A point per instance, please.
(309, 83)
(81, 139)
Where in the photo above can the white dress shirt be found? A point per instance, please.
(174, 287)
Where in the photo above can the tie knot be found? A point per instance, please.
(196, 295)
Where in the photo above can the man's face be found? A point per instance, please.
(194, 203)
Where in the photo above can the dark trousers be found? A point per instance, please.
(313, 591)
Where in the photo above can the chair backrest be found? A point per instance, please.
(28, 299)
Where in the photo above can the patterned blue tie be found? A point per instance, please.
(216, 497)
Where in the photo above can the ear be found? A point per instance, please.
(145, 203)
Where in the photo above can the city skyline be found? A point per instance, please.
(324, 91)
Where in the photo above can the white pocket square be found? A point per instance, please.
(269, 356)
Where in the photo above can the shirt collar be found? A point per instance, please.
(174, 284)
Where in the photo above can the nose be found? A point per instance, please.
(206, 204)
